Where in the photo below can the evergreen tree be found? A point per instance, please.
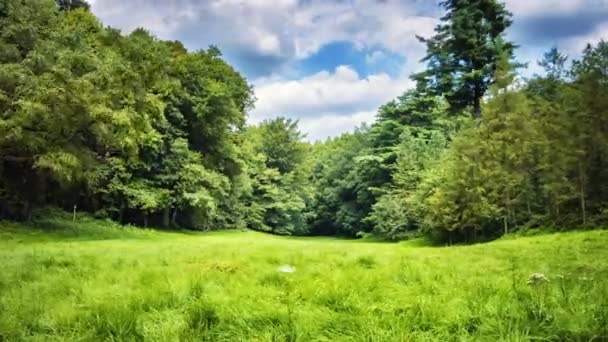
(69, 5)
(554, 63)
(462, 57)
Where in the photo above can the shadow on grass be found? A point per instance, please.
(367, 239)
(83, 228)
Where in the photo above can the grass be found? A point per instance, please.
(95, 281)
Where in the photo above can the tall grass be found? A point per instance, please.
(82, 283)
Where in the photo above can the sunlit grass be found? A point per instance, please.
(87, 284)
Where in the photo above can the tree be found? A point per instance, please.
(590, 124)
(554, 63)
(481, 188)
(462, 57)
(278, 170)
(70, 5)
(341, 175)
(281, 143)
(551, 101)
(125, 126)
(396, 214)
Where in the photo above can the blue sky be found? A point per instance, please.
(332, 63)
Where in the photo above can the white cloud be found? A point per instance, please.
(366, 23)
(327, 104)
(331, 125)
(269, 44)
(536, 7)
(342, 91)
(374, 57)
(286, 28)
(258, 26)
(573, 46)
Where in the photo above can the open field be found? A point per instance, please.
(108, 284)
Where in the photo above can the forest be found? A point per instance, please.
(142, 131)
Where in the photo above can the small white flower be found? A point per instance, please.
(286, 269)
(537, 279)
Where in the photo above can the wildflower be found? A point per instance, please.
(286, 269)
(537, 279)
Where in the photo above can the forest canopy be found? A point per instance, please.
(140, 130)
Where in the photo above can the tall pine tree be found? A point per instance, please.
(463, 55)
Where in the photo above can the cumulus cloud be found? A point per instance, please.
(263, 36)
(391, 24)
(327, 104)
(254, 35)
(375, 57)
(341, 92)
(574, 45)
(568, 24)
(331, 125)
(534, 8)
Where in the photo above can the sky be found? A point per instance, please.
(331, 63)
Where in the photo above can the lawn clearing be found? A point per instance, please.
(155, 286)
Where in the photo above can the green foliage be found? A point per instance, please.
(536, 158)
(530, 162)
(280, 190)
(70, 5)
(340, 176)
(123, 125)
(462, 57)
(281, 144)
(396, 215)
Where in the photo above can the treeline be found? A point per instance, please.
(474, 151)
(537, 157)
(127, 127)
(142, 131)
(136, 129)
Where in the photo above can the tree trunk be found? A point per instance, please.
(121, 213)
(94, 202)
(41, 190)
(582, 192)
(477, 103)
(146, 220)
(27, 211)
(507, 212)
(477, 110)
(167, 216)
(174, 218)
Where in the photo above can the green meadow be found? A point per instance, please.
(97, 281)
